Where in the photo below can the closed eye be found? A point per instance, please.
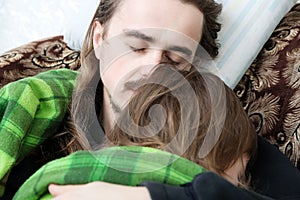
(137, 50)
(172, 61)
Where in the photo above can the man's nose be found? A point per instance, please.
(155, 56)
(152, 60)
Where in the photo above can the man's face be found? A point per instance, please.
(140, 35)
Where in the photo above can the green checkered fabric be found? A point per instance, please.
(30, 110)
(122, 165)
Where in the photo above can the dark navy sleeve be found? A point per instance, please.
(204, 186)
(273, 174)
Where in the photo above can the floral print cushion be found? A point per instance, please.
(35, 57)
(270, 89)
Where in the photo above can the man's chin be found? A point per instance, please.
(119, 103)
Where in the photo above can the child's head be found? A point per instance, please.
(192, 102)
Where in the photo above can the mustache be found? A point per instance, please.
(134, 85)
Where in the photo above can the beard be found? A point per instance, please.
(115, 107)
(121, 99)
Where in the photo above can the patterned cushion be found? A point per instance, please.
(270, 89)
(35, 57)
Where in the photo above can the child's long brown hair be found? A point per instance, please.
(237, 135)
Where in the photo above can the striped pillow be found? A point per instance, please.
(247, 25)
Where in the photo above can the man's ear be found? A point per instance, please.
(97, 36)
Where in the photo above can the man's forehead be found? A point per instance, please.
(173, 15)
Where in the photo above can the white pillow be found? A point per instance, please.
(247, 24)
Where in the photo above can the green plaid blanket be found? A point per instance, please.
(121, 165)
(30, 110)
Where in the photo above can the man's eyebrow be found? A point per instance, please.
(180, 49)
(138, 34)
